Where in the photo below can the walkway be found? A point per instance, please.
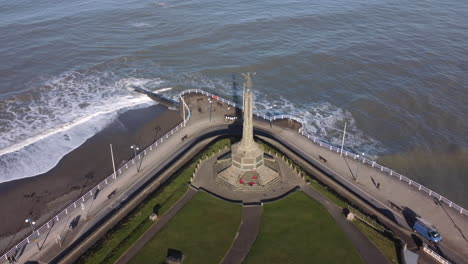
(391, 194)
(368, 251)
(250, 226)
(155, 228)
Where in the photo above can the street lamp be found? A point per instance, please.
(32, 223)
(269, 114)
(135, 148)
(211, 101)
(357, 167)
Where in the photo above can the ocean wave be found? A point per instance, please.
(51, 120)
(322, 119)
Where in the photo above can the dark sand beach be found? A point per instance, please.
(43, 196)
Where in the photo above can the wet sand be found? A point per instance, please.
(43, 196)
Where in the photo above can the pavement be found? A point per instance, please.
(391, 195)
(248, 231)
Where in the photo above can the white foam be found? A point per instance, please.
(322, 119)
(58, 116)
(140, 24)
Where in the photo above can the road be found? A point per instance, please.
(97, 211)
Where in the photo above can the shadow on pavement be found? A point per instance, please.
(410, 216)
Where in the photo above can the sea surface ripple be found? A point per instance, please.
(394, 71)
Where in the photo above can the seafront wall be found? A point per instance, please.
(77, 205)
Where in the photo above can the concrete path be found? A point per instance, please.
(155, 228)
(452, 225)
(250, 226)
(368, 251)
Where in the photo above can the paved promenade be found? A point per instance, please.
(387, 193)
(380, 189)
(390, 196)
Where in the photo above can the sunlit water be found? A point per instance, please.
(394, 71)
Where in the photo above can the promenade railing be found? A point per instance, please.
(79, 203)
(347, 153)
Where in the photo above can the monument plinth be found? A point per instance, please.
(247, 168)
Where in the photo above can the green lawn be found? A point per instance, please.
(385, 244)
(203, 230)
(114, 243)
(108, 249)
(298, 229)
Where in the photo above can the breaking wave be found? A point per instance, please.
(59, 115)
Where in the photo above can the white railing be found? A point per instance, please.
(240, 106)
(330, 147)
(433, 254)
(90, 194)
(79, 203)
(388, 171)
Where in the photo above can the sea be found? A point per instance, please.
(396, 72)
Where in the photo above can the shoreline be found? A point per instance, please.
(41, 197)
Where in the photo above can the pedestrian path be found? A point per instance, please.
(365, 248)
(133, 250)
(248, 231)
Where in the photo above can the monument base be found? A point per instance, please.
(260, 178)
(246, 159)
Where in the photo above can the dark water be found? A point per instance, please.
(395, 71)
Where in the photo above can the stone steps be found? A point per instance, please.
(222, 182)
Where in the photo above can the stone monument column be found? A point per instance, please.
(247, 154)
(247, 129)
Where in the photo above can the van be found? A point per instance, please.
(428, 231)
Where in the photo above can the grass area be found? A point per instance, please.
(298, 229)
(203, 230)
(126, 232)
(386, 242)
(383, 242)
(324, 190)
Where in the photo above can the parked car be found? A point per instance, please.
(427, 230)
